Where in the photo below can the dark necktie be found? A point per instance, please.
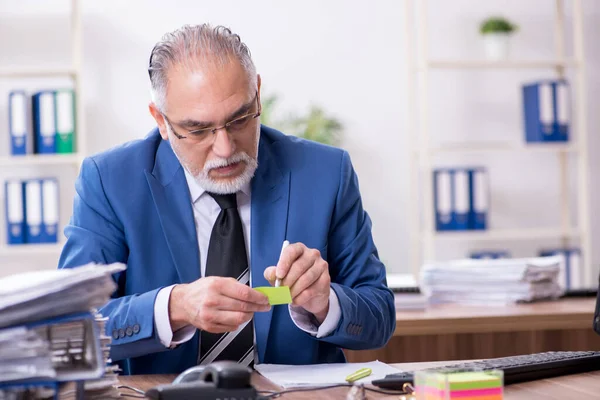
(227, 257)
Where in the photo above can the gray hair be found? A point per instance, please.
(193, 46)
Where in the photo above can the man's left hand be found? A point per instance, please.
(307, 275)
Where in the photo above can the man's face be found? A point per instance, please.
(225, 160)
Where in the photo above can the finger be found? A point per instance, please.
(235, 290)
(218, 328)
(269, 275)
(233, 318)
(229, 304)
(301, 266)
(319, 289)
(290, 254)
(309, 277)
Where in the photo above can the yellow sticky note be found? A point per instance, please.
(276, 295)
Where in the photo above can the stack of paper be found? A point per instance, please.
(291, 376)
(492, 282)
(407, 294)
(50, 333)
(40, 295)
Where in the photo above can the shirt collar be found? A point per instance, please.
(196, 191)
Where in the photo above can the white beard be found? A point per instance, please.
(231, 185)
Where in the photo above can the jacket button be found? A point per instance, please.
(136, 329)
(115, 334)
(129, 331)
(121, 333)
(350, 328)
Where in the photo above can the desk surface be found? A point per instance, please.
(580, 386)
(548, 315)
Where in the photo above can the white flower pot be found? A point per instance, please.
(496, 45)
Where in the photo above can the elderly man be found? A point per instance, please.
(199, 210)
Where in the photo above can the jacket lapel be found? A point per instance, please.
(172, 200)
(270, 200)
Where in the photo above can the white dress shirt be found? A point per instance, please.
(206, 211)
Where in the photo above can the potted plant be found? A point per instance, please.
(496, 32)
(313, 125)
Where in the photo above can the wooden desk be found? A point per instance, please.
(580, 386)
(451, 332)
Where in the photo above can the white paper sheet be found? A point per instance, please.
(290, 376)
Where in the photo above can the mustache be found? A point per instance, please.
(225, 162)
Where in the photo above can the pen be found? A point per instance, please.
(285, 244)
(361, 373)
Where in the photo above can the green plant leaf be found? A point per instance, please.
(497, 25)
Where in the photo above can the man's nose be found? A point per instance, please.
(223, 145)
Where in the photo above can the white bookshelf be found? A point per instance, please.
(423, 153)
(47, 249)
(508, 64)
(73, 159)
(27, 72)
(73, 71)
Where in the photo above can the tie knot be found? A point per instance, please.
(225, 201)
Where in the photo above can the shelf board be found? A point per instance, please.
(506, 147)
(507, 234)
(27, 72)
(41, 159)
(31, 249)
(508, 64)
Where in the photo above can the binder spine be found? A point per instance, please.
(461, 199)
(15, 221)
(65, 121)
(479, 196)
(44, 125)
(442, 192)
(17, 121)
(50, 212)
(32, 195)
(562, 114)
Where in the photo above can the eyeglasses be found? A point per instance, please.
(234, 126)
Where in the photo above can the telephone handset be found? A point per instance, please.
(221, 379)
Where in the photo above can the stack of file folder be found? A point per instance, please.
(492, 282)
(51, 337)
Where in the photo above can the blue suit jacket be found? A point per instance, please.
(132, 205)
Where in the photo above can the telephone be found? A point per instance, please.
(221, 379)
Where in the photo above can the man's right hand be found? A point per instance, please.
(214, 304)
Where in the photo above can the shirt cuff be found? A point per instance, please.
(163, 324)
(307, 322)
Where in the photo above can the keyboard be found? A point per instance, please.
(516, 368)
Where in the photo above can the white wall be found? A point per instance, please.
(347, 56)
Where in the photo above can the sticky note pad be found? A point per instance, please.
(276, 295)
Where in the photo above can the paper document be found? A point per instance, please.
(290, 376)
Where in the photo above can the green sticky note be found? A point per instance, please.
(276, 295)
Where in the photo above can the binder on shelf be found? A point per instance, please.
(17, 122)
(461, 196)
(571, 275)
(442, 193)
(32, 190)
(546, 107)
(563, 110)
(490, 254)
(479, 198)
(49, 226)
(65, 121)
(15, 221)
(44, 125)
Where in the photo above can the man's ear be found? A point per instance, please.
(160, 120)
(258, 82)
